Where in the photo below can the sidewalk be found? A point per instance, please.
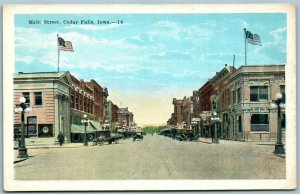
(225, 141)
(45, 146)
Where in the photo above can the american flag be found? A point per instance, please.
(64, 45)
(253, 38)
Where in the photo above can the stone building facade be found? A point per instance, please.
(48, 96)
(125, 118)
(252, 89)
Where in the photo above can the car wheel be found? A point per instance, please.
(101, 142)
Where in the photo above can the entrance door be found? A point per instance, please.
(32, 126)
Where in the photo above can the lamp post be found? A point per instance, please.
(215, 119)
(85, 121)
(279, 149)
(22, 108)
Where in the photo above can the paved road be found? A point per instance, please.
(156, 157)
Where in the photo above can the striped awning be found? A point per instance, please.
(80, 129)
(96, 126)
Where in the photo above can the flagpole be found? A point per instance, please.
(245, 46)
(57, 54)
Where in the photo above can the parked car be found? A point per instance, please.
(138, 136)
(106, 136)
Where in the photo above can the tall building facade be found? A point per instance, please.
(48, 96)
(252, 90)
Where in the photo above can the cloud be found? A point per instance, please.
(25, 59)
(171, 55)
(121, 68)
(277, 35)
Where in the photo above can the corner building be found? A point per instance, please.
(48, 96)
(252, 89)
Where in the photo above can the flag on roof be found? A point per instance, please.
(253, 38)
(64, 45)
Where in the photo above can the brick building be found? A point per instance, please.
(205, 93)
(221, 91)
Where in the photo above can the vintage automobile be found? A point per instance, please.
(138, 136)
(194, 137)
(107, 136)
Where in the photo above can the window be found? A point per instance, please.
(239, 95)
(26, 95)
(282, 91)
(240, 124)
(45, 130)
(76, 120)
(258, 93)
(31, 126)
(233, 97)
(38, 98)
(260, 122)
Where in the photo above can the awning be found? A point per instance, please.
(96, 126)
(80, 129)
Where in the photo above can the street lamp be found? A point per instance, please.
(215, 119)
(279, 149)
(85, 121)
(22, 108)
(194, 124)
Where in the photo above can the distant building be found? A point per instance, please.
(178, 114)
(187, 111)
(48, 96)
(100, 95)
(205, 93)
(125, 118)
(111, 115)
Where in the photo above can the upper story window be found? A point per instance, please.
(282, 91)
(239, 95)
(38, 97)
(258, 93)
(26, 95)
(233, 97)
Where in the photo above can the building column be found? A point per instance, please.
(56, 118)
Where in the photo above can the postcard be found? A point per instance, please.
(149, 97)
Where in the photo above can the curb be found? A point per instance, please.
(21, 160)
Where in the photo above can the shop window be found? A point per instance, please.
(259, 122)
(45, 130)
(17, 132)
(258, 93)
(38, 98)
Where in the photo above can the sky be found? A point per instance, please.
(148, 59)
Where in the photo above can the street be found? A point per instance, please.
(156, 157)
